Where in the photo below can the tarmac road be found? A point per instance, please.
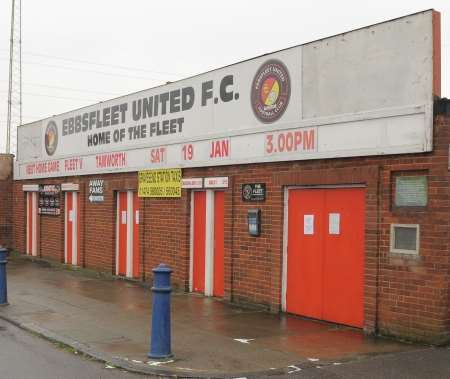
(25, 356)
(430, 363)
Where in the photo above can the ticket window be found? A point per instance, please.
(127, 241)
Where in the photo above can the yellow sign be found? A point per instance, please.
(160, 183)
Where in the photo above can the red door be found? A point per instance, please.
(325, 272)
(343, 266)
(305, 258)
(72, 228)
(128, 246)
(199, 236)
(208, 243)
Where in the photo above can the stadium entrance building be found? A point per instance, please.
(313, 180)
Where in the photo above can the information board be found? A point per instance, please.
(49, 199)
(160, 183)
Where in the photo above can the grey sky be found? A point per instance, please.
(96, 50)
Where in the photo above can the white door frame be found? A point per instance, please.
(118, 221)
(285, 248)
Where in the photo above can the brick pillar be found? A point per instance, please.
(6, 177)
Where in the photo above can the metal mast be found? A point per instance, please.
(15, 78)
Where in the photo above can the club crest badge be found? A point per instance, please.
(270, 92)
(51, 138)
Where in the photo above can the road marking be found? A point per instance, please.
(158, 363)
(295, 369)
(244, 340)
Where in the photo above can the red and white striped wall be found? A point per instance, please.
(127, 235)
(207, 243)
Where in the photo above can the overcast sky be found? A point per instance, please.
(79, 52)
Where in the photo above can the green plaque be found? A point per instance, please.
(411, 191)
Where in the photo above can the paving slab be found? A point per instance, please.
(110, 319)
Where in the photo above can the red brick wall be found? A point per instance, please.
(98, 225)
(5, 212)
(6, 200)
(404, 296)
(51, 237)
(165, 236)
(19, 219)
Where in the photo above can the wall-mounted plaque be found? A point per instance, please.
(254, 192)
(411, 191)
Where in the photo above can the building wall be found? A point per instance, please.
(404, 295)
(6, 199)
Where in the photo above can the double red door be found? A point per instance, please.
(72, 228)
(208, 243)
(32, 218)
(127, 242)
(325, 261)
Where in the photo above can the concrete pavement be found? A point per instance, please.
(110, 320)
(26, 356)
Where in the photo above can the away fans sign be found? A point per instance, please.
(96, 190)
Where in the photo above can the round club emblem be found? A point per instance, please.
(271, 90)
(247, 192)
(51, 138)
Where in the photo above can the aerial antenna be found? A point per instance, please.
(15, 78)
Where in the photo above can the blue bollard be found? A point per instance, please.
(160, 344)
(3, 289)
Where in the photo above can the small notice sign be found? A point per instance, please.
(308, 224)
(216, 182)
(136, 216)
(254, 192)
(160, 183)
(192, 183)
(96, 190)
